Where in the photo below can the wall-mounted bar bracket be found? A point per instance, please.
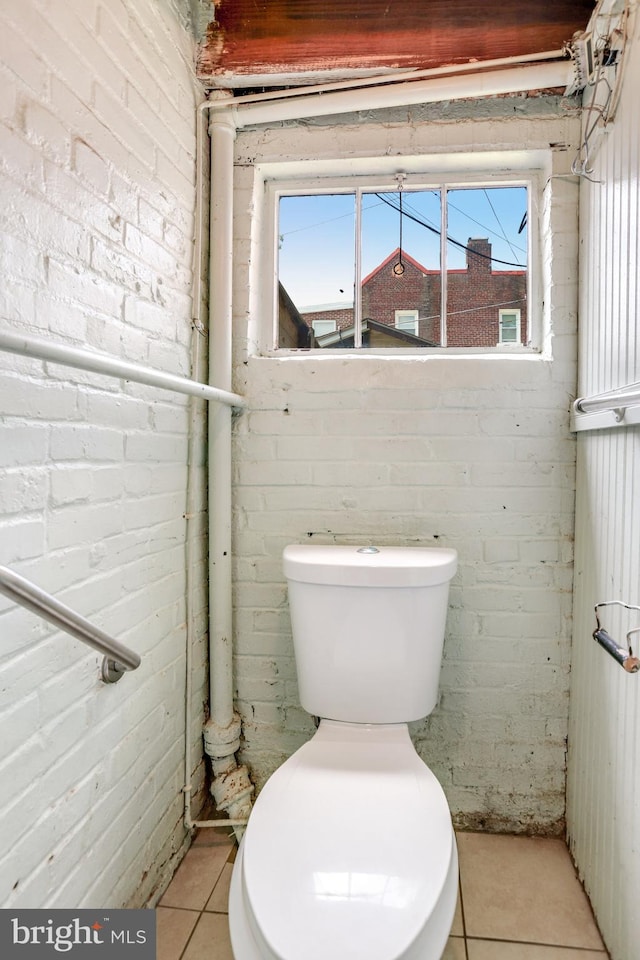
(117, 658)
(620, 654)
(616, 408)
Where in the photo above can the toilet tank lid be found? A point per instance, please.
(369, 566)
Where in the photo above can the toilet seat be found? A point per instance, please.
(356, 829)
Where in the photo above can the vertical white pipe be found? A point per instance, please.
(222, 131)
(357, 293)
(444, 267)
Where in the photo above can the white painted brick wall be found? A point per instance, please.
(97, 145)
(470, 453)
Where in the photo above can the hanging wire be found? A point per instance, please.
(498, 221)
(597, 116)
(456, 243)
(398, 268)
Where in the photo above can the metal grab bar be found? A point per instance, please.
(112, 367)
(117, 657)
(612, 400)
(615, 408)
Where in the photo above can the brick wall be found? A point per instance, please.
(96, 221)
(474, 298)
(383, 292)
(471, 452)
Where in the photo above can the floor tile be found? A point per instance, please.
(173, 929)
(210, 939)
(214, 837)
(524, 889)
(196, 877)
(219, 899)
(492, 950)
(454, 949)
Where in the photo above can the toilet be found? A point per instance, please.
(349, 853)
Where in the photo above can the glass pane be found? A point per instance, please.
(401, 273)
(508, 327)
(407, 320)
(320, 327)
(316, 270)
(486, 263)
(401, 279)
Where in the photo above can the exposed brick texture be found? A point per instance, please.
(97, 149)
(474, 298)
(472, 452)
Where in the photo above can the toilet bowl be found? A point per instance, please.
(349, 853)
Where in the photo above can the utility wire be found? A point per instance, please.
(456, 243)
(465, 213)
(476, 309)
(423, 223)
(493, 209)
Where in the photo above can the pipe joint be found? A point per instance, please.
(232, 792)
(221, 742)
(220, 119)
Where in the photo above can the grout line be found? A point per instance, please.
(190, 937)
(540, 943)
(464, 922)
(185, 909)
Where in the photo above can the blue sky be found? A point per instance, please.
(317, 235)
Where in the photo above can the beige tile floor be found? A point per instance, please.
(519, 900)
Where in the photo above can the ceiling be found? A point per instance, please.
(272, 43)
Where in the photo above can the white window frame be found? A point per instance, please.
(285, 178)
(508, 312)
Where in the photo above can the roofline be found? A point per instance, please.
(405, 256)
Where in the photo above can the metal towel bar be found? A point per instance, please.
(117, 657)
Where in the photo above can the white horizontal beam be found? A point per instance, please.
(112, 367)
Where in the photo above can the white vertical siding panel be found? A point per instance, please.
(604, 747)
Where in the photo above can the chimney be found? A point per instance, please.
(481, 263)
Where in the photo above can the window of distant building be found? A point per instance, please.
(408, 264)
(509, 326)
(320, 327)
(407, 320)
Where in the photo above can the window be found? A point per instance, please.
(405, 265)
(407, 320)
(320, 327)
(509, 324)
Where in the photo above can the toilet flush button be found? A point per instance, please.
(368, 550)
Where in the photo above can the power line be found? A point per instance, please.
(456, 243)
(484, 190)
(476, 309)
(467, 215)
(422, 222)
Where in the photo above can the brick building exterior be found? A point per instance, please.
(484, 306)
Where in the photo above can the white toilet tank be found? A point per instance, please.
(368, 629)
